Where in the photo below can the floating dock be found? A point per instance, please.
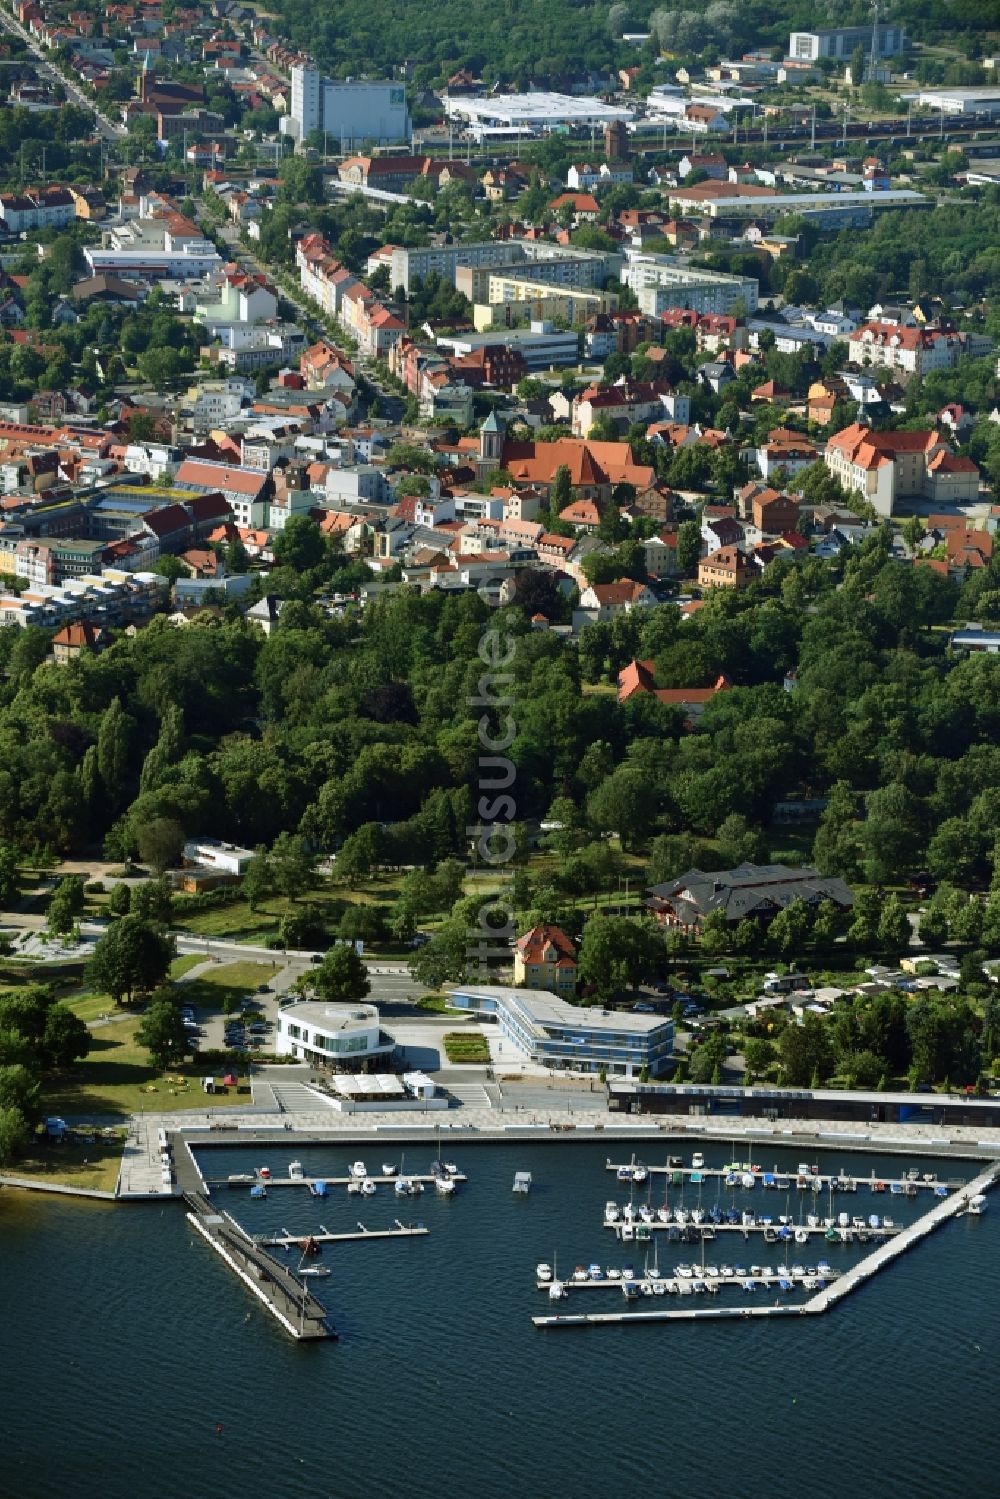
(672, 1283)
(708, 1231)
(840, 1181)
(250, 1179)
(285, 1240)
(850, 1280)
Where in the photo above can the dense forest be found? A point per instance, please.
(332, 727)
(524, 40)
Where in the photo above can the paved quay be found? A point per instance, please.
(142, 1178)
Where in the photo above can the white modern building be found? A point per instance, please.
(661, 281)
(961, 101)
(326, 1034)
(542, 346)
(553, 1033)
(536, 111)
(225, 858)
(839, 42)
(351, 111)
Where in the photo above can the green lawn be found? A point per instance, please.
(118, 1079)
(210, 989)
(436, 1004)
(73, 1164)
(180, 966)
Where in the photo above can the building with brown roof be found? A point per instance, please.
(726, 567)
(545, 958)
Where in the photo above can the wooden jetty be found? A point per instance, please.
(849, 1280)
(285, 1240)
(288, 1300)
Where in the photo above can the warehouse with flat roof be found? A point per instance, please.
(539, 111)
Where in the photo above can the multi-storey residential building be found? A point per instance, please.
(661, 282)
(37, 208)
(912, 350)
(545, 958)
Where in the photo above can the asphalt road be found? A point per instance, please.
(105, 127)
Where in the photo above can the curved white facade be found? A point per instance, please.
(318, 1032)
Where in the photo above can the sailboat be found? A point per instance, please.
(556, 1288)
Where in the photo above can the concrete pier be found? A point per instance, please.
(291, 1303)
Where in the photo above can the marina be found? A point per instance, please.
(186, 1316)
(969, 1200)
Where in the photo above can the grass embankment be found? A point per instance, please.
(92, 1166)
(466, 1046)
(117, 1079)
(232, 981)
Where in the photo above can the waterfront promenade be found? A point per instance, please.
(141, 1174)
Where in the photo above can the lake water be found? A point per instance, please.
(126, 1343)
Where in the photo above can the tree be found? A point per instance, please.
(120, 899)
(258, 878)
(341, 978)
(113, 747)
(616, 954)
(65, 905)
(890, 835)
(446, 956)
(893, 926)
(806, 1052)
(759, 1054)
(161, 843)
(790, 927)
(707, 1059)
(132, 958)
(863, 930)
(291, 865)
(560, 491)
(621, 804)
(688, 547)
(162, 1032)
(66, 1038)
(299, 545)
(10, 883)
(14, 1134)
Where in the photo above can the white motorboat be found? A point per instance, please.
(624, 1173)
(389, 1169)
(402, 1186)
(580, 1274)
(368, 1188)
(354, 1187)
(295, 1171)
(801, 1236)
(697, 1161)
(595, 1272)
(614, 1273)
(639, 1172)
(556, 1290)
(450, 1167)
(977, 1205)
(543, 1271)
(359, 1170)
(444, 1184)
(611, 1211)
(628, 1232)
(659, 1289)
(315, 1270)
(683, 1287)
